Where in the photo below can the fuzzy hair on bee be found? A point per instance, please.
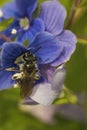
(28, 73)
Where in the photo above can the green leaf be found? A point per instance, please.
(66, 97)
(5, 24)
(77, 69)
(4, 2)
(26, 42)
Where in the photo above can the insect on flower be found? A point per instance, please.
(31, 68)
(27, 73)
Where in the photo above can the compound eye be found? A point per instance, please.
(27, 56)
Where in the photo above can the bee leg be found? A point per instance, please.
(36, 76)
(17, 76)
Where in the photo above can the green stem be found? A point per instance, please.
(72, 13)
(82, 40)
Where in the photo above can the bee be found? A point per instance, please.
(27, 74)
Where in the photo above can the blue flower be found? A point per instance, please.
(53, 15)
(40, 54)
(23, 26)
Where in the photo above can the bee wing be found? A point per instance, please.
(26, 86)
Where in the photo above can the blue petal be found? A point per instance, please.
(68, 39)
(47, 72)
(10, 10)
(10, 51)
(26, 7)
(8, 31)
(36, 26)
(49, 48)
(53, 14)
(6, 79)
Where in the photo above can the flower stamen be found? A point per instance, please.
(24, 23)
(13, 31)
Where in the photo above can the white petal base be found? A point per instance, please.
(43, 94)
(46, 93)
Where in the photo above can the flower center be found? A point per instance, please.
(24, 23)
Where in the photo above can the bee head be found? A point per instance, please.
(29, 57)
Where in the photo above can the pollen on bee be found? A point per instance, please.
(13, 31)
(17, 76)
(15, 85)
(37, 76)
(1, 13)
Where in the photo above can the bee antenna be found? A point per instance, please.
(38, 48)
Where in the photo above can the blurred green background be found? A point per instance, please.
(12, 118)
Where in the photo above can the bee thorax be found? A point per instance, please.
(28, 68)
